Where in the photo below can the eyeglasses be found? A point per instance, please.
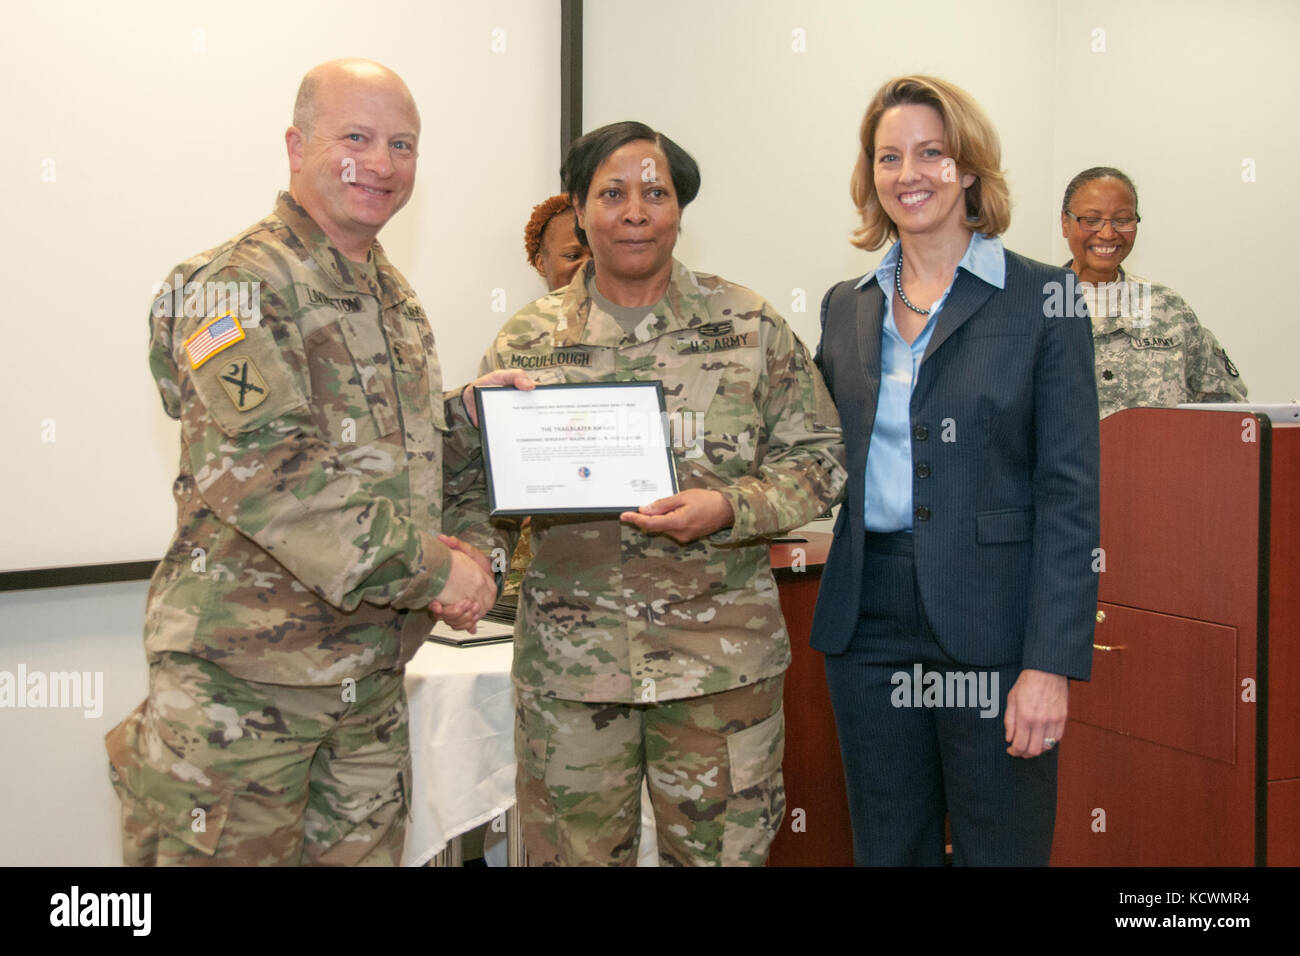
(1095, 223)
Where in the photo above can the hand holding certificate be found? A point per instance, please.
(685, 517)
(575, 449)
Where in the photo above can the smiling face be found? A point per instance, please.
(631, 217)
(919, 187)
(1097, 255)
(357, 167)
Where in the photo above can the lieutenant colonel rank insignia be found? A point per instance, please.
(212, 338)
(243, 383)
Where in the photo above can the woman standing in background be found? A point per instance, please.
(1150, 349)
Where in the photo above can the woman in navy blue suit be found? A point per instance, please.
(959, 596)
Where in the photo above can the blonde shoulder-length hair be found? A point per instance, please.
(969, 139)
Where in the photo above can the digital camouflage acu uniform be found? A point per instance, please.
(1151, 350)
(632, 650)
(296, 587)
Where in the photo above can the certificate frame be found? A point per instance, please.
(567, 451)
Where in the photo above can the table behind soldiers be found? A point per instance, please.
(462, 745)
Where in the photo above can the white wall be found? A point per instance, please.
(1185, 91)
(775, 129)
(57, 806)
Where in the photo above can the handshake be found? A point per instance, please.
(471, 587)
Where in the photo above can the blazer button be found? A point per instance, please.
(920, 432)
(923, 470)
(922, 513)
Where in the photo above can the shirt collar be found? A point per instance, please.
(985, 259)
(683, 306)
(1122, 277)
(339, 268)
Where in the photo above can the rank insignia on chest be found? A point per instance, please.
(212, 338)
(243, 383)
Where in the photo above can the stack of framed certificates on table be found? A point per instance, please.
(496, 627)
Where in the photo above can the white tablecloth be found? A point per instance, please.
(462, 748)
(462, 743)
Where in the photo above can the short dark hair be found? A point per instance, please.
(587, 153)
(1087, 176)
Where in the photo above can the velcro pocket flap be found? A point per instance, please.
(755, 753)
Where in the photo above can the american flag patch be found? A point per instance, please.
(212, 338)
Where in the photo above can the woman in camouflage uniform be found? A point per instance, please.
(1150, 349)
(651, 644)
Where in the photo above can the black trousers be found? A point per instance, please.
(921, 735)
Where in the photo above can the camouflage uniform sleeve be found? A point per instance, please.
(465, 483)
(1211, 376)
(262, 465)
(801, 472)
(465, 488)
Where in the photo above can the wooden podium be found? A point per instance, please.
(1184, 749)
(822, 834)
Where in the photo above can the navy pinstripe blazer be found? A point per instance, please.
(1005, 453)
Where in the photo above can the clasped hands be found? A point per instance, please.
(471, 587)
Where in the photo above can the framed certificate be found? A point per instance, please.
(575, 449)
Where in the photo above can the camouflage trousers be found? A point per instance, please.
(214, 770)
(713, 765)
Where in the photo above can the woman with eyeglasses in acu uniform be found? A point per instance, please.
(1150, 348)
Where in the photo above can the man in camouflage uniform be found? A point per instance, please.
(636, 653)
(1151, 350)
(309, 501)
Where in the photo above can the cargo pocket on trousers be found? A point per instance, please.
(756, 804)
(755, 753)
(180, 807)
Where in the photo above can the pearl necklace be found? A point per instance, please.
(898, 284)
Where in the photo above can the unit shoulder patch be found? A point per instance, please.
(243, 383)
